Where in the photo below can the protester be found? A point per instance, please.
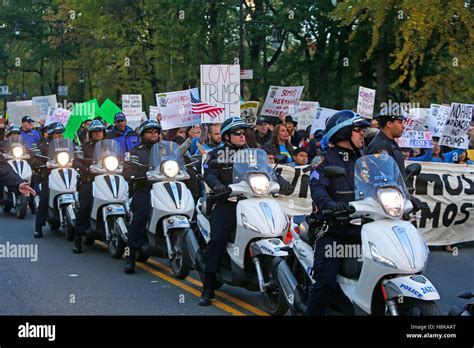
(294, 134)
(262, 133)
(127, 138)
(300, 157)
(280, 144)
(436, 155)
(28, 134)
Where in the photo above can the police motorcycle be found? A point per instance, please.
(62, 183)
(386, 278)
(110, 208)
(172, 207)
(16, 156)
(254, 255)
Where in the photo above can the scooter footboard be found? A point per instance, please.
(415, 286)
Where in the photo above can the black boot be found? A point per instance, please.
(129, 267)
(208, 289)
(77, 248)
(38, 232)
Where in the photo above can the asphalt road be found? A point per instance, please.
(92, 283)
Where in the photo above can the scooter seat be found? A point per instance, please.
(351, 268)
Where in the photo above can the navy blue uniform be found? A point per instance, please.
(325, 193)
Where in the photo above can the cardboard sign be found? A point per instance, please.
(304, 113)
(220, 86)
(416, 139)
(16, 110)
(457, 125)
(281, 100)
(366, 102)
(437, 118)
(249, 111)
(57, 115)
(45, 102)
(322, 115)
(421, 115)
(175, 109)
(132, 106)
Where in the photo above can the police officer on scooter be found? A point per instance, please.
(149, 133)
(96, 131)
(55, 131)
(218, 176)
(345, 134)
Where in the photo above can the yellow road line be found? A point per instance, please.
(222, 294)
(181, 285)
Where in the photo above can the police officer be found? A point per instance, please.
(344, 133)
(149, 133)
(55, 131)
(125, 135)
(96, 132)
(218, 177)
(29, 135)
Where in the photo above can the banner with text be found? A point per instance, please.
(457, 125)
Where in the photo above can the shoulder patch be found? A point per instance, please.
(317, 161)
(314, 175)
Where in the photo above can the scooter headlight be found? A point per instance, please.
(111, 163)
(377, 257)
(170, 168)
(62, 158)
(259, 184)
(392, 201)
(17, 151)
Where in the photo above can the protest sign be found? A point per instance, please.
(154, 111)
(16, 110)
(249, 111)
(366, 102)
(456, 127)
(220, 86)
(281, 100)
(175, 109)
(81, 112)
(132, 106)
(410, 124)
(322, 115)
(448, 190)
(437, 118)
(304, 113)
(416, 139)
(107, 111)
(57, 115)
(420, 115)
(45, 102)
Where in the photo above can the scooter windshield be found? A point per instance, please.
(15, 147)
(107, 155)
(166, 159)
(61, 151)
(374, 172)
(248, 163)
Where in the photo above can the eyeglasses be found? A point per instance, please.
(238, 133)
(357, 129)
(150, 131)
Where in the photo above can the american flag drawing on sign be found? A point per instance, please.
(198, 107)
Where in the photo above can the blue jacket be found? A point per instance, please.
(30, 137)
(326, 192)
(128, 139)
(428, 156)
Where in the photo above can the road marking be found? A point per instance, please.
(228, 297)
(181, 285)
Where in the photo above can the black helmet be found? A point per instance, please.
(55, 128)
(339, 126)
(96, 126)
(232, 123)
(149, 124)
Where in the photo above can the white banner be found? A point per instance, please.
(416, 139)
(45, 102)
(299, 202)
(220, 86)
(366, 102)
(175, 109)
(457, 125)
(249, 111)
(57, 115)
(448, 189)
(304, 113)
(281, 100)
(322, 115)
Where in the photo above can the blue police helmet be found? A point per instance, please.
(339, 126)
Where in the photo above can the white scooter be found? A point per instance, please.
(389, 279)
(62, 182)
(16, 157)
(172, 208)
(110, 208)
(256, 251)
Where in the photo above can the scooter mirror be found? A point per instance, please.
(413, 169)
(333, 172)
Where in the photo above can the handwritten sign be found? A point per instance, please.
(416, 139)
(132, 106)
(281, 100)
(45, 102)
(457, 126)
(220, 86)
(366, 102)
(57, 115)
(321, 117)
(437, 119)
(175, 109)
(304, 113)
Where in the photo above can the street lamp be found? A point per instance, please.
(275, 40)
(17, 29)
(81, 77)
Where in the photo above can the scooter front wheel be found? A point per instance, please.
(414, 307)
(21, 206)
(273, 296)
(181, 262)
(115, 243)
(69, 228)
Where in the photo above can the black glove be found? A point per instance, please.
(219, 189)
(340, 206)
(417, 204)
